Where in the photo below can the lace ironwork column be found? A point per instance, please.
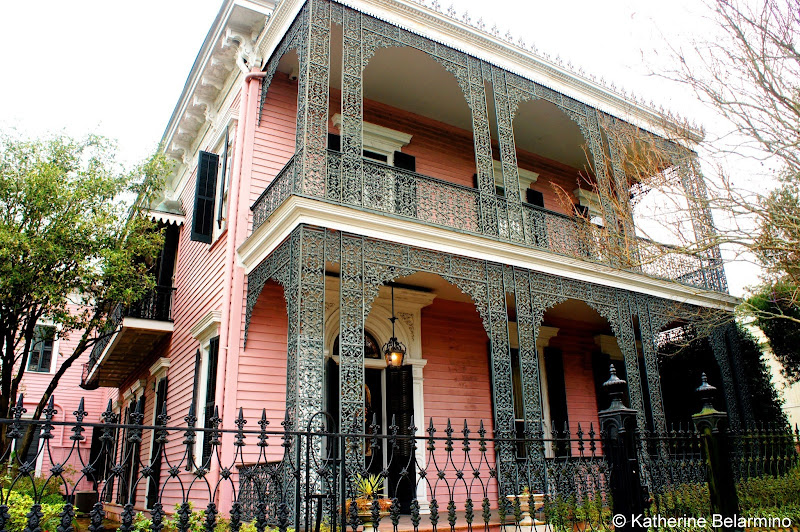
(484, 167)
(500, 361)
(734, 348)
(351, 343)
(719, 348)
(650, 354)
(352, 109)
(312, 98)
(511, 220)
(622, 324)
(694, 187)
(527, 333)
(595, 142)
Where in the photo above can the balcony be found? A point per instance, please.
(391, 191)
(139, 328)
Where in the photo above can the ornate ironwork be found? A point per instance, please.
(397, 192)
(719, 348)
(456, 482)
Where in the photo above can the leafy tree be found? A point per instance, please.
(748, 71)
(74, 243)
(783, 334)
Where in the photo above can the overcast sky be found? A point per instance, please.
(117, 68)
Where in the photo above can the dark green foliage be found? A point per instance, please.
(783, 333)
(681, 367)
(767, 404)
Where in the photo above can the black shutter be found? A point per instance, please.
(400, 406)
(534, 197)
(224, 178)
(405, 161)
(557, 396)
(334, 142)
(166, 261)
(211, 391)
(202, 223)
(155, 455)
(197, 366)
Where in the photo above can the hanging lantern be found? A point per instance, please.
(393, 350)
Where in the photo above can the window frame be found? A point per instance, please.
(204, 331)
(380, 140)
(53, 350)
(224, 175)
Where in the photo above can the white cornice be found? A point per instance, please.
(207, 326)
(439, 27)
(297, 210)
(160, 366)
(213, 70)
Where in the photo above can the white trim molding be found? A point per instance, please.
(207, 327)
(159, 367)
(298, 210)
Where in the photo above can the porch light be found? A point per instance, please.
(393, 350)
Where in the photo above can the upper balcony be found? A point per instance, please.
(388, 122)
(392, 191)
(139, 329)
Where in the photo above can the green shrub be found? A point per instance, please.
(20, 504)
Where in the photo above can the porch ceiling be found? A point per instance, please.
(411, 80)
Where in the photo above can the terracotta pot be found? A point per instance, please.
(364, 507)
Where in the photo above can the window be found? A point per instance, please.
(130, 448)
(381, 144)
(225, 147)
(210, 370)
(589, 206)
(206, 331)
(41, 354)
(526, 179)
(214, 171)
(157, 447)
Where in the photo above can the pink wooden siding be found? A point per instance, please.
(67, 397)
(577, 345)
(456, 382)
(262, 368)
(275, 136)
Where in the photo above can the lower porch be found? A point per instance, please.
(491, 349)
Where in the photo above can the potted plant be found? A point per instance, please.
(368, 490)
(524, 505)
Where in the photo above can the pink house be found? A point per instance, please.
(339, 164)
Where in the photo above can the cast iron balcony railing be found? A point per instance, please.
(396, 192)
(154, 305)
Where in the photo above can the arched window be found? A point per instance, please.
(371, 347)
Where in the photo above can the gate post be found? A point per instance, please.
(712, 426)
(618, 423)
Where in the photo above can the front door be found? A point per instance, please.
(388, 399)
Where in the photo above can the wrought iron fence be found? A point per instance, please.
(393, 477)
(370, 476)
(385, 189)
(674, 471)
